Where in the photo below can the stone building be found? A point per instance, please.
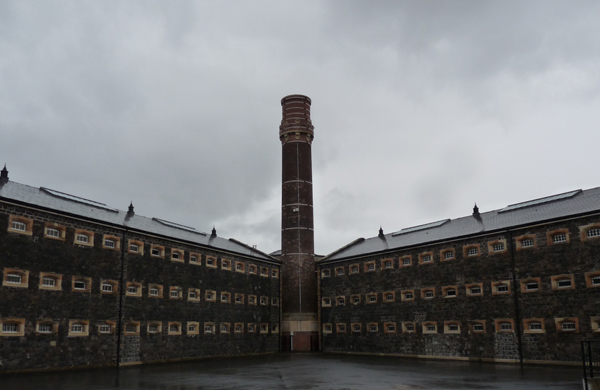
(84, 284)
(519, 284)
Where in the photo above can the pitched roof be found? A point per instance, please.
(534, 211)
(89, 209)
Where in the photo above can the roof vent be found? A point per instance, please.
(4, 175)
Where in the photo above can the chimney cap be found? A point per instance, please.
(4, 175)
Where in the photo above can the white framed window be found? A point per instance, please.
(505, 326)
(448, 255)
(194, 259)
(155, 252)
(475, 290)
(130, 328)
(428, 294)
(77, 328)
(472, 251)
(354, 269)
(192, 328)
(450, 292)
(406, 261)
(107, 287)
(568, 326)
(409, 327)
(498, 247)
(192, 294)
(426, 258)
(373, 327)
(134, 248)
(108, 243)
(596, 280)
(388, 263)
(174, 294)
(502, 288)
(175, 256)
(48, 281)
(132, 289)
(453, 328)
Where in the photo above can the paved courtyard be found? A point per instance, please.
(305, 371)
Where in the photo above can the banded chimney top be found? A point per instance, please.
(296, 116)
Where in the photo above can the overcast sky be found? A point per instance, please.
(420, 108)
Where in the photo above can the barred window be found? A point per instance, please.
(526, 243)
(132, 289)
(409, 327)
(77, 328)
(561, 237)
(14, 278)
(564, 283)
(102, 329)
(388, 264)
(535, 326)
(48, 281)
(55, 233)
(10, 327)
(154, 291)
(426, 258)
(475, 290)
(595, 232)
(499, 247)
(453, 328)
(596, 280)
(502, 287)
(130, 328)
(20, 226)
(450, 292)
(109, 243)
(448, 255)
(408, 295)
(531, 286)
(174, 294)
(429, 294)
(568, 325)
(155, 252)
(45, 328)
(478, 328)
(82, 238)
(134, 248)
(174, 328)
(406, 261)
(505, 326)
(472, 252)
(192, 294)
(431, 328)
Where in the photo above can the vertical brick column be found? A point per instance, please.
(299, 293)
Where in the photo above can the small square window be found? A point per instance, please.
(194, 295)
(387, 264)
(356, 327)
(559, 238)
(354, 269)
(225, 297)
(569, 325)
(264, 301)
(177, 255)
(325, 273)
(134, 289)
(252, 299)
(425, 258)
(79, 328)
(55, 231)
(475, 289)
(326, 302)
(339, 271)
(252, 269)
(81, 284)
(154, 327)
(274, 273)
(408, 295)
(340, 301)
(195, 258)
(428, 293)
(225, 328)
(239, 299)
(449, 291)
(477, 326)
(175, 292)
(111, 242)
(373, 327)
(238, 328)
(157, 251)
(155, 291)
(355, 299)
(327, 328)
(372, 298)
(447, 254)
(389, 296)
(264, 271)
(340, 328)
(15, 278)
(251, 328)
(209, 328)
(193, 328)
(226, 264)
(370, 266)
(240, 267)
(211, 262)
(135, 247)
(408, 327)
(451, 327)
(429, 327)
(471, 251)
(389, 327)
(406, 261)
(264, 328)
(84, 238)
(504, 326)
(275, 301)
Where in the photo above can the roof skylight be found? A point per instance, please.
(540, 201)
(78, 199)
(178, 226)
(421, 227)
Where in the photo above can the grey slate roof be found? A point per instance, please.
(544, 209)
(53, 200)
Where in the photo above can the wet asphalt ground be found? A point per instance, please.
(305, 371)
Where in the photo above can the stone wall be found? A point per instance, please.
(494, 310)
(34, 253)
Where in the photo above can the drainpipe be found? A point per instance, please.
(119, 321)
(516, 297)
(319, 319)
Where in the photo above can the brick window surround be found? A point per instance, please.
(81, 284)
(567, 325)
(157, 251)
(195, 258)
(193, 295)
(226, 264)
(426, 258)
(14, 277)
(83, 238)
(447, 254)
(497, 246)
(240, 267)
(563, 282)
(429, 327)
(224, 328)
(79, 328)
(135, 247)
(175, 292)
(526, 241)
(387, 263)
(409, 327)
(20, 225)
(177, 255)
(505, 325)
(389, 296)
(553, 236)
(498, 285)
(407, 295)
(371, 298)
(155, 291)
(339, 271)
(448, 290)
(12, 327)
(154, 327)
(452, 327)
(340, 328)
(527, 285)
(477, 326)
(472, 250)
(405, 261)
(592, 279)
(46, 326)
(111, 242)
(389, 327)
(252, 269)
(192, 328)
(211, 262)
(239, 299)
(589, 232)
(55, 231)
(471, 289)
(370, 266)
(129, 289)
(340, 300)
(174, 328)
(427, 293)
(354, 269)
(355, 299)
(356, 327)
(534, 325)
